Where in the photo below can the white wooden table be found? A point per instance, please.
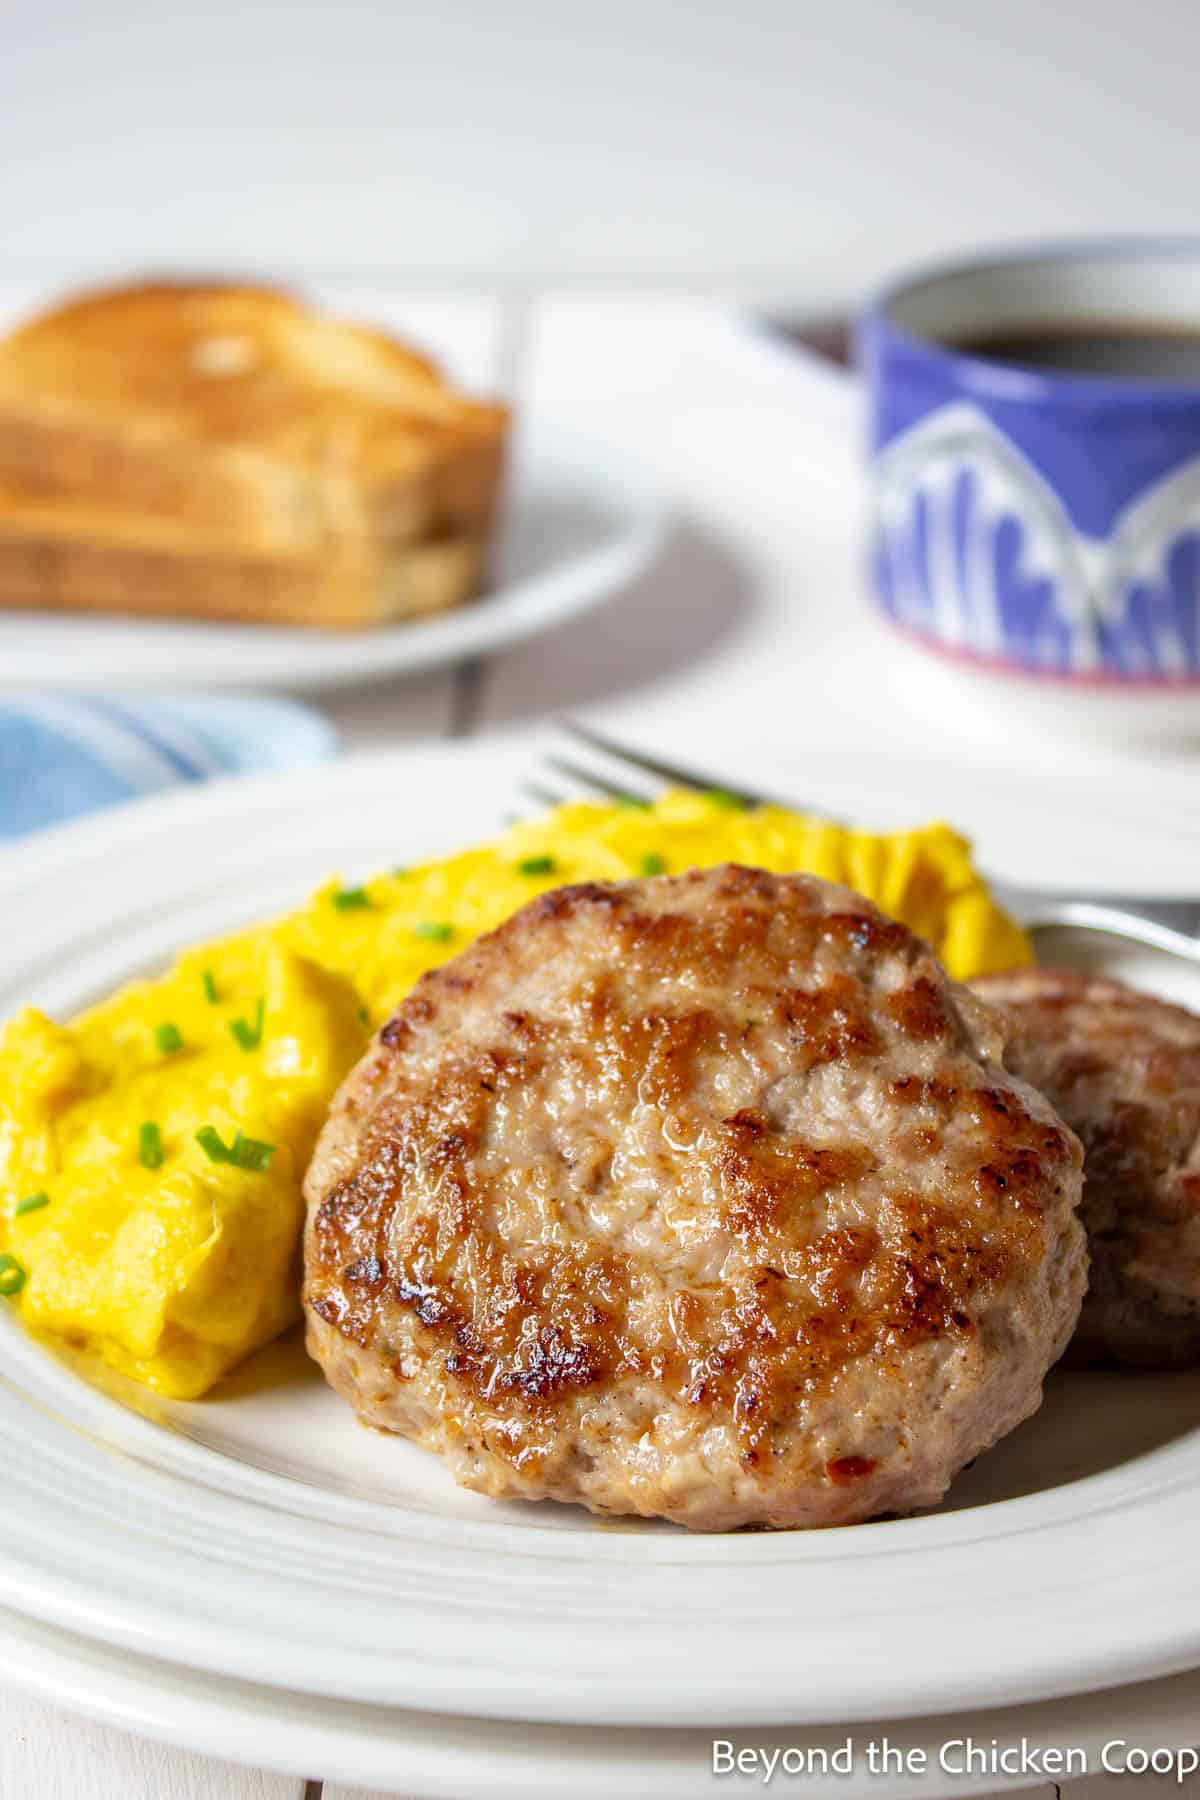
(711, 652)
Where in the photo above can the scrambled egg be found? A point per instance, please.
(152, 1151)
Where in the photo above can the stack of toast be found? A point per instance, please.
(223, 451)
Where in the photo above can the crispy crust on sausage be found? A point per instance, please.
(703, 1196)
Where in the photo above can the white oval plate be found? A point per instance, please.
(579, 524)
(262, 1532)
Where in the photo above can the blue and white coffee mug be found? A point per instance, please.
(1033, 512)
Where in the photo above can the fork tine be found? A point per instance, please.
(651, 765)
(589, 778)
(542, 795)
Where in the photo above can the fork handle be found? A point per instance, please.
(1166, 924)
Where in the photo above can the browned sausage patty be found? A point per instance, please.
(1124, 1071)
(703, 1197)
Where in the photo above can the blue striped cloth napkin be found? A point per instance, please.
(65, 755)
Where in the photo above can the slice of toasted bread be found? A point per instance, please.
(241, 411)
(68, 555)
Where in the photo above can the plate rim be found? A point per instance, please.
(257, 1726)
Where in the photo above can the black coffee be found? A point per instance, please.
(1134, 352)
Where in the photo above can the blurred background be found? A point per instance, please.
(798, 148)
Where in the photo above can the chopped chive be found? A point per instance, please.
(210, 1141)
(31, 1203)
(438, 931)
(243, 1153)
(351, 899)
(634, 802)
(251, 1153)
(150, 1145)
(250, 1036)
(12, 1276)
(537, 865)
(364, 1017)
(210, 987)
(723, 797)
(168, 1037)
(652, 863)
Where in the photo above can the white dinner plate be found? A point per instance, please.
(579, 523)
(262, 1533)
(441, 1756)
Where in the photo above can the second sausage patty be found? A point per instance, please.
(704, 1197)
(1124, 1070)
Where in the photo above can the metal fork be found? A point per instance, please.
(596, 765)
